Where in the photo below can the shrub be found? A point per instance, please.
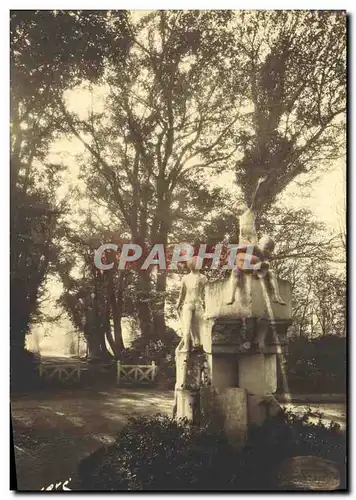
(23, 370)
(161, 350)
(288, 435)
(317, 365)
(159, 453)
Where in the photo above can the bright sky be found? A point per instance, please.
(325, 198)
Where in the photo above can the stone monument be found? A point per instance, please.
(189, 355)
(243, 332)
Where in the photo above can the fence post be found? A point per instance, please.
(118, 372)
(153, 364)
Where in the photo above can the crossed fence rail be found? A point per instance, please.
(60, 372)
(136, 373)
(72, 372)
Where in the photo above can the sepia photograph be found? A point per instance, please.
(178, 241)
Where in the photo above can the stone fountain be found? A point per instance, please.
(227, 360)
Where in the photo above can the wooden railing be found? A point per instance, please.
(73, 371)
(136, 373)
(69, 372)
(66, 372)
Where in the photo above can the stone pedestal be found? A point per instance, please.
(190, 370)
(257, 373)
(241, 344)
(250, 300)
(187, 405)
(227, 409)
(222, 369)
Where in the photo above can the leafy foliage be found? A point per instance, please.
(317, 365)
(162, 111)
(296, 77)
(159, 453)
(160, 349)
(33, 254)
(187, 96)
(53, 47)
(24, 371)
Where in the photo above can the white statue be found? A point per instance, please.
(191, 307)
(262, 250)
(247, 229)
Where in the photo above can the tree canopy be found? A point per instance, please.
(187, 98)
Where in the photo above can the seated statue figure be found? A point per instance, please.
(259, 252)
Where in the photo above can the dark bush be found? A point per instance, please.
(155, 454)
(317, 365)
(161, 350)
(159, 453)
(288, 435)
(23, 370)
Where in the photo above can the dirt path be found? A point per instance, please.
(52, 432)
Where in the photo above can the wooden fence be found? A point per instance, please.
(66, 372)
(136, 373)
(72, 372)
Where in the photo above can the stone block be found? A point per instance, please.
(250, 300)
(257, 373)
(187, 405)
(223, 370)
(260, 407)
(189, 368)
(231, 334)
(270, 372)
(226, 409)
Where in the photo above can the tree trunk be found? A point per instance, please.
(161, 284)
(116, 311)
(109, 337)
(159, 323)
(143, 303)
(115, 306)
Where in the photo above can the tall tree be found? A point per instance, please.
(189, 93)
(52, 51)
(159, 134)
(296, 78)
(33, 254)
(308, 256)
(95, 300)
(42, 66)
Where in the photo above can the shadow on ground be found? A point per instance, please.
(53, 431)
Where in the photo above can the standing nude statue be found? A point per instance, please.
(191, 307)
(261, 253)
